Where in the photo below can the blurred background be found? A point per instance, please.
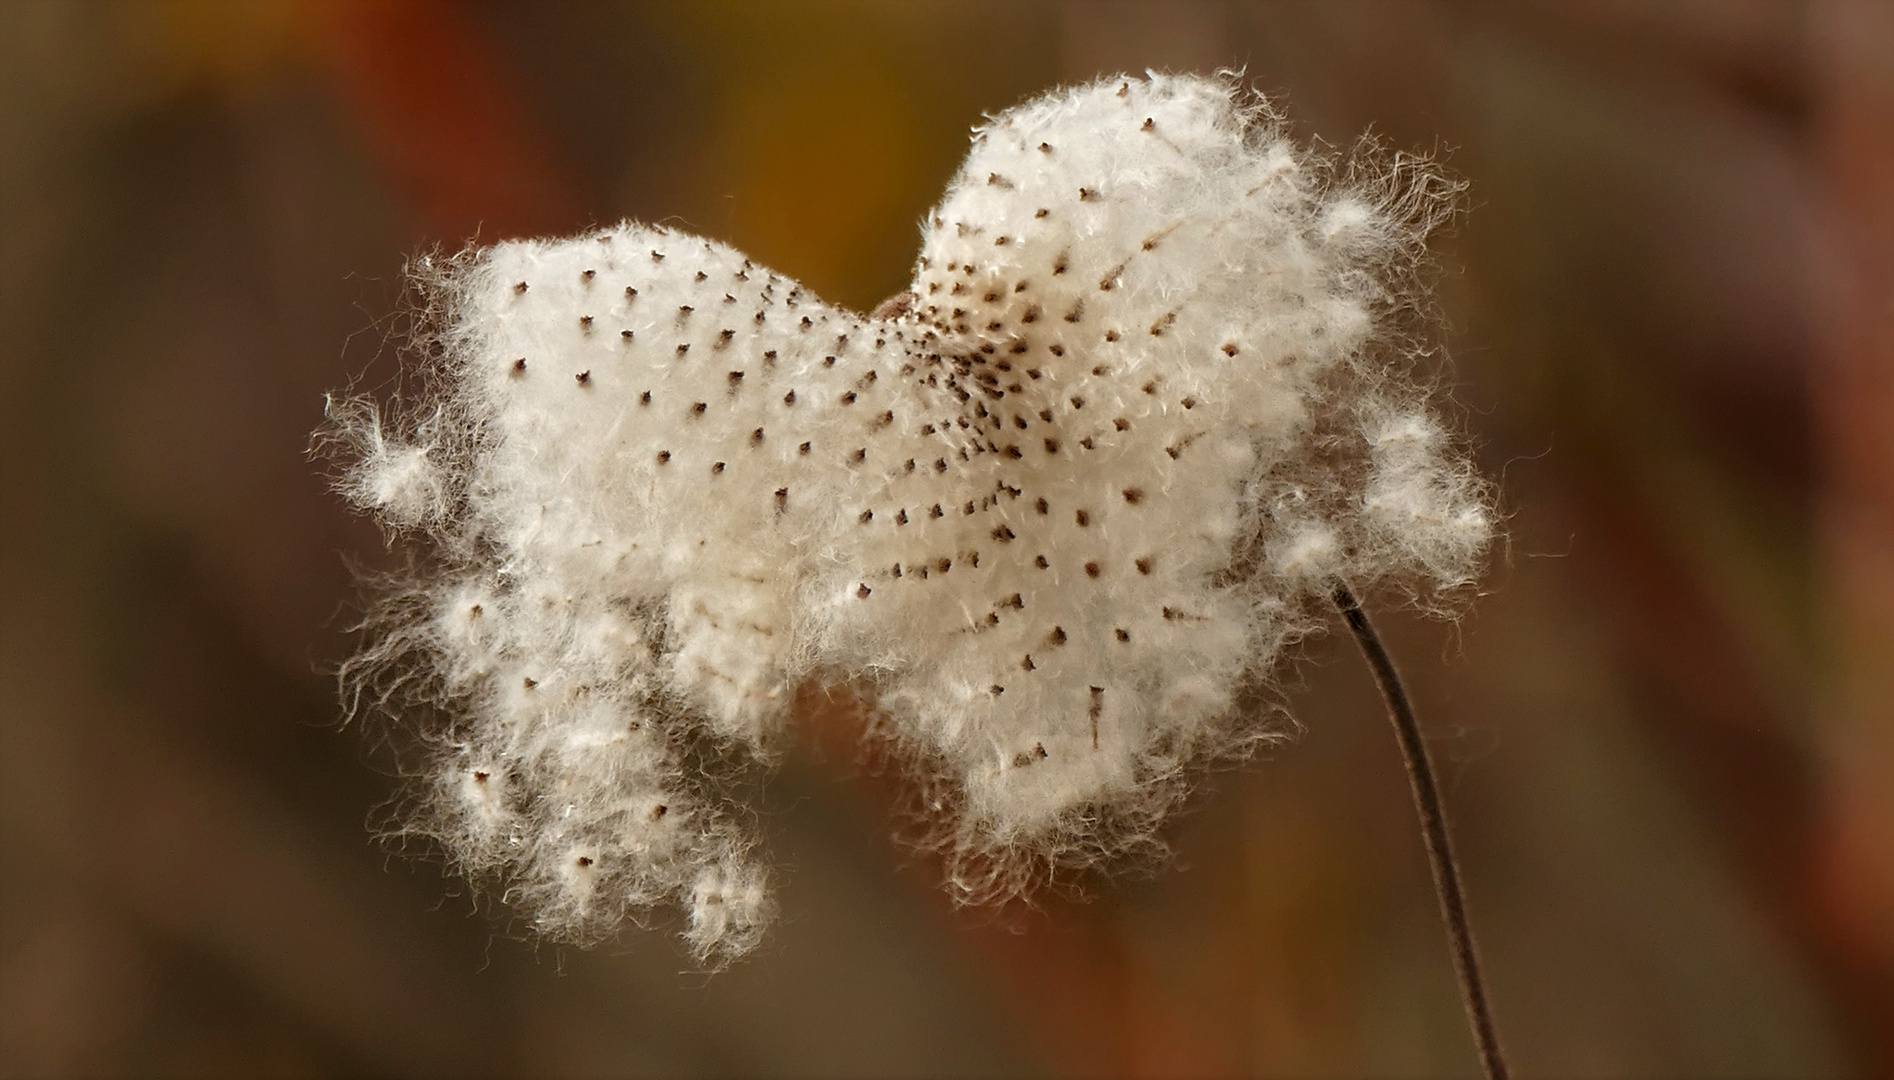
(1668, 726)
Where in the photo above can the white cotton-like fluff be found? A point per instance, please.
(1142, 407)
(398, 481)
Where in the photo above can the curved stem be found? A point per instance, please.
(1433, 818)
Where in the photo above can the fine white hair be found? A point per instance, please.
(1151, 394)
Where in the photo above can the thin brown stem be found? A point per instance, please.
(1433, 818)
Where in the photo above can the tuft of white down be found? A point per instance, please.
(1145, 403)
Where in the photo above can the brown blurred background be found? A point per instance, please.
(1668, 726)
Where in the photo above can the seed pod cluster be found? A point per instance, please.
(1148, 395)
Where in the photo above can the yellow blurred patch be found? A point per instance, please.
(821, 179)
(818, 155)
(223, 46)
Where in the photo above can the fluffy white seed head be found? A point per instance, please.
(1145, 402)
